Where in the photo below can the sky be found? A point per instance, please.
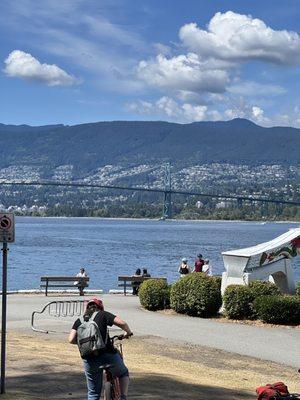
(78, 61)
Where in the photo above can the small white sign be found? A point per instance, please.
(7, 227)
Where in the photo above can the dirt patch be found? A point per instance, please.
(43, 367)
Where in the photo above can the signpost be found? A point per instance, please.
(7, 235)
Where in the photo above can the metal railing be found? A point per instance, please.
(57, 309)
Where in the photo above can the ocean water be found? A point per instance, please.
(108, 248)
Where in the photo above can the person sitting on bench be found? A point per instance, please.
(81, 284)
(136, 285)
(146, 273)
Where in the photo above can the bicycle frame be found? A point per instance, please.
(112, 390)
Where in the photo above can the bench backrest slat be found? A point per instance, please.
(137, 278)
(63, 278)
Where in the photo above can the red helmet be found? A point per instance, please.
(96, 301)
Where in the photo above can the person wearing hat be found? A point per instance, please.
(199, 263)
(184, 269)
(108, 356)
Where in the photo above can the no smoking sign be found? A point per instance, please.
(7, 227)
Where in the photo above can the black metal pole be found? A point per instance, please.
(3, 330)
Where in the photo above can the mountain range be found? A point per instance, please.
(89, 146)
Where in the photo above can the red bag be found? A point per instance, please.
(270, 392)
(267, 392)
(282, 388)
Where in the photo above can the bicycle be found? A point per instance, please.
(111, 386)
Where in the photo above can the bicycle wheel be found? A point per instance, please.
(112, 390)
(107, 391)
(115, 389)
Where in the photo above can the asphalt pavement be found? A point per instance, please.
(278, 344)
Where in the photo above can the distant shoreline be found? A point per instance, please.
(261, 222)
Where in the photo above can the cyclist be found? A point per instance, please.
(108, 356)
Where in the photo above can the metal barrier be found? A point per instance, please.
(57, 309)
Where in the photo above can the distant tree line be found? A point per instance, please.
(180, 211)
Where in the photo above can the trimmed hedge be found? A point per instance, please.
(298, 289)
(278, 309)
(261, 288)
(218, 280)
(154, 294)
(196, 294)
(238, 302)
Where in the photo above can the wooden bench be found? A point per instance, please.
(64, 281)
(130, 279)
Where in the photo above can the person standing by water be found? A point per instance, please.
(108, 355)
(199, 263)
(207, 268)
(184, 269)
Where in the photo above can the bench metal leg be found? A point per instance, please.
(46, 291)
(124, 288)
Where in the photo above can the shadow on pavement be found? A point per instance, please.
(43, 383)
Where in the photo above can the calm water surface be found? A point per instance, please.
(108, 248)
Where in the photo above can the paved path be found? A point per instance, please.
(281, 345)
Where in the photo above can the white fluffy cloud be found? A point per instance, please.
(212, 56)
(235, 37)
(24, 65)
(257, 112)
(245, 110)
(205, 82)
(184, 112)
(175, 111)
(184, 72)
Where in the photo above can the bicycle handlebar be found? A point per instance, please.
(119, 337)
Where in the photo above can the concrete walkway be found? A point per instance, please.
(281, 345)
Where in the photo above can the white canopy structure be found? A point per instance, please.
(265, 261)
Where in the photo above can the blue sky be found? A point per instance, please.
(76, 61)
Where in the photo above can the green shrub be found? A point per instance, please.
(238, 302)
(218, 280)
(154, 294)
(196, 294)
(261, 288)
(278, 309)
(178, 295)
(167, 297)
(298, 289)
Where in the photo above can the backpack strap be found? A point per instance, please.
(93, 316)
(106, 337)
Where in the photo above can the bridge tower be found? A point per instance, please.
(167, 207)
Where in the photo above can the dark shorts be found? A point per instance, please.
(117, 368)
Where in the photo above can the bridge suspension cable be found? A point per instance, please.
(167, 189)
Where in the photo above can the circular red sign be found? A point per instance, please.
(5, 223)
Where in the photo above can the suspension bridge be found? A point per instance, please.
(167, 191)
